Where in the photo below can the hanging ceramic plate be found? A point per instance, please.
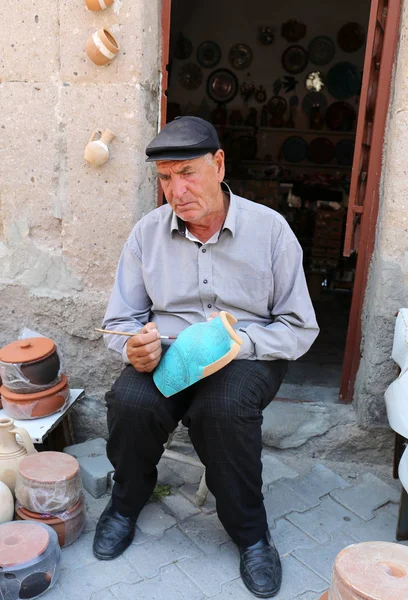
(277, 106)
(321, 150)
(222, 85)
(315, 81)
(344, 80)
(321, 50)
(295, 59)
(190, 76)
(312, 99)
(240, 56)
(208, 54)
(294, 149)
(345, 152)
(266, 35)
(351, 37)
(183, 48)
(341, 116)
(293, 30)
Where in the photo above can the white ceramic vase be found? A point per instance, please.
(6, 504)
(97, 150)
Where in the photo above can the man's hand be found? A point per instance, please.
(144, 349)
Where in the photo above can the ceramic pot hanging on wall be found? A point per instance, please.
(97, 150)
(101, 47)
(12, 452)
(98, 4)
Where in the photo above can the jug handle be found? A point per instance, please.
(94, 134)
(25, 436)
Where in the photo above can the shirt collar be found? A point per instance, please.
(230, 220)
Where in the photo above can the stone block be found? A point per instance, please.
(95, 471)
(179, 506)
(154, 521)
(96, 447)
(170, 584)
(363, 498)
(153, 555)
(281, 500)
(206, 531)
(319, 482)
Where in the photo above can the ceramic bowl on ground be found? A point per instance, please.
(68, 525)
(29, 365)
(30, 559)
(48, 482)
(39, 404)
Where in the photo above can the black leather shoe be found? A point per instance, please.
(114, 533)
(261, 569)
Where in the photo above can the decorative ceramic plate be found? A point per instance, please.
(293, 30)
(295, 59)
(321, 50)
(345, 152)
(240, 56)
(208, 54)
(312, 99)
(344, 80)
(266, 36)
(321, 150)
(294, 149)
(190, 76)
(184, 48)
(351, 37)
(222, 85)
(341, 116)
(277, 106)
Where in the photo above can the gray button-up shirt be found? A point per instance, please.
(252, 269)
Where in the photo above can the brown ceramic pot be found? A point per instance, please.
(101, 47)
(29, 365)
(98, 4)
(68, 525)
(49, 484)
(32, 406)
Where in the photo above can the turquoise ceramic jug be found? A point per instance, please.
(200, 350)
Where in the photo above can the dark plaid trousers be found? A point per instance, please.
(223, 413)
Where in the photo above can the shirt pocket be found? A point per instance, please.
(247, 293)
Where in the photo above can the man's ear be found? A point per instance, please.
(219, 161)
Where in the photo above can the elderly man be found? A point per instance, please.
(204, 251)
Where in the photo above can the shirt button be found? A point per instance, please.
(205, 281)
(203, 250)
(209, 305)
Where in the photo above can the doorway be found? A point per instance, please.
(282, 85)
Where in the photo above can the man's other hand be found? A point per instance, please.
(144, 349)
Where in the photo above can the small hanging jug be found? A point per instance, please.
(97, 151)
(98, 4)
(101, 47)
(12, 452)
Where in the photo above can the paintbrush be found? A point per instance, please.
(132, 333)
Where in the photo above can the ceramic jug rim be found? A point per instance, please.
(6, 422)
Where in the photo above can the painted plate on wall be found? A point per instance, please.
(294, 149)
(295, 59)
(344, 80)
(190, 76)
(321, 150)
(222, 85)
(312, 99)
(351, 37)
(240, 56)
(277, 106)
(341, 116)
(321, 50)
(345, 152)
(208, 54)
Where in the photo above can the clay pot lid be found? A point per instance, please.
(21, 543)
(371, 568)
(9, 395)
(48, 467)
(28, 350)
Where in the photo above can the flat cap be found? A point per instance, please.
(182, 139)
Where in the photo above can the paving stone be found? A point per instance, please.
(274, 469)
(80, 584)
(179, 506)
(94, 509)
(316, 484)
(206, 531)
(320, 522)
(212, 571)
(281, 500)
(188, 473)
(392, 508)
(102, 595)
(288, 538)
(382, 528)
(170, 584)
(149, 557)
(56, 593)
(233, 591)
(320, 559)
(165, 476)
(189, 490)
(365, 497)
(96, 447)
(94, 473)
(79, 554)
(154, 521)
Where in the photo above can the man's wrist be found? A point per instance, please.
(247, 348)
(125, 357)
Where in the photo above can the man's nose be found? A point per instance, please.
(178, 187)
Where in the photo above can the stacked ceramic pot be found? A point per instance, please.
(33, 385)
(49, 491)
(30, 560)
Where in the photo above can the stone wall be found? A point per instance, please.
(387, 289)
(62, 222)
